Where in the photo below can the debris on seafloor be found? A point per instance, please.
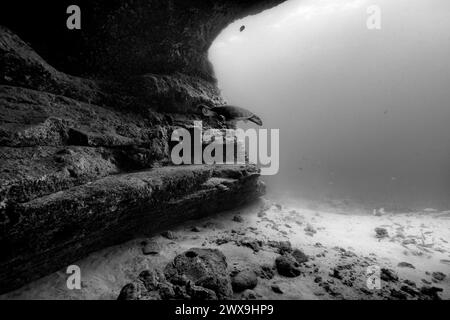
(169, 235)
(405, 265)
(151, 247)
(381, 233)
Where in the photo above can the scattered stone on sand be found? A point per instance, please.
(366, 291)
(276, 288)
(265, 272)
(287, 265)
(381, 233)
(222, 240)
(251, 243)
(348, 282)
(249, 295)
(339, 249)
(431, 292)
(299, 256)
(261, 213)
(310, 230)
(409, 283)
(341, 274)
(245, 279)
(203, 267)
(405, 265)
(336, 274)
(151, 247)
(331, 290)
(348, 254)
(409, 290)
(438, 276)
(282, 246)
(388, 275)
(398, 294)
(408, 241)
(169, 235)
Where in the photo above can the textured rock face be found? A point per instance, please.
(85, 122)
(243, 280)
(62, 226)
(196, 274)
(130, 37)
(206, 268)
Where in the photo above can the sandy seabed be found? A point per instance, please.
(341, 245)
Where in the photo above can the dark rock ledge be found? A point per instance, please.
(85, 122)
(52, 231)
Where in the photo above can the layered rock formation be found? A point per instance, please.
(84, 158)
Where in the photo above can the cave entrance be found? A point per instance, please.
(362, 111)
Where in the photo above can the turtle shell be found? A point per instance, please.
(233, 112)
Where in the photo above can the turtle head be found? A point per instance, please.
(256, 119)
(205, 110)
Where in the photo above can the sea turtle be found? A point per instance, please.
(231, 114)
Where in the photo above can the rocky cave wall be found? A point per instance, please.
(85, 121)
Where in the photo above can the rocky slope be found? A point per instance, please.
(84, 160)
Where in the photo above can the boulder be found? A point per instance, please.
(243, 280)
(151, 247)
(205, 268)
(287, 265)
(299, 256)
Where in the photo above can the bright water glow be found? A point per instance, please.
(363, 114)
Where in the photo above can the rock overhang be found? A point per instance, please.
(84, 157)
(130, 37)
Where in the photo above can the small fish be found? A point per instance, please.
(242, 28)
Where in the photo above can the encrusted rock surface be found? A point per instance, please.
(85, 125)
(205, 268)
(196, 274)
(245, 279)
